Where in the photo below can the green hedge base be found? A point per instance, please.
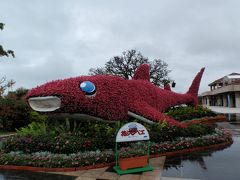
(172, 153)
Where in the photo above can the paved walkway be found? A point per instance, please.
(224, 110)
(104, 174)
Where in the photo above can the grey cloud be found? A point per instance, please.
(41, 71)
(59, 39)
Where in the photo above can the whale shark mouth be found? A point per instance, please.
(45, 104)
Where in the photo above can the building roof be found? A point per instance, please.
(233, 74)
(220, 80)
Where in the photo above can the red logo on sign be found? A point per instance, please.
(132, 132)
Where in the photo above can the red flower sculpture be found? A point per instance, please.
(111, 97)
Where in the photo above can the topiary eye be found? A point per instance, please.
(88, 87)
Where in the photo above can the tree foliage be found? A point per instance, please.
(2, 51)
(4, 84)
(14, 112)
(126, 64)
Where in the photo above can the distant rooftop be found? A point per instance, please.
(229, 76)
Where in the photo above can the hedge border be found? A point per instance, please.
(206, 120)
(172, 153)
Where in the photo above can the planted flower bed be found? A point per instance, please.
(80, 159)
(66, 144)
(85, 140)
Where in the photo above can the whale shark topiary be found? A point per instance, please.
(112, 98)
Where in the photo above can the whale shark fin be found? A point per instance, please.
(167, 87)
(142, 73)
(193, 90)
(144, 112)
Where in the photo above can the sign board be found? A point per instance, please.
(132, 132)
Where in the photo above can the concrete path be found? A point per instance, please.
(224, 110)
(103, 174)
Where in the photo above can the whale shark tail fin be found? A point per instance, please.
(193, 90)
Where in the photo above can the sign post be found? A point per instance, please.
(128, 133)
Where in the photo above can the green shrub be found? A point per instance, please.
(37, 117)
(186, 113)
(13, 113)
(37, 127)
(33, 129)
(21, 92)
(197, 130)
(161, 131)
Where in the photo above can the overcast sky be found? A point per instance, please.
(55, 39)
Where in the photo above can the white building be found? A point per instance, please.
(223, 92)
